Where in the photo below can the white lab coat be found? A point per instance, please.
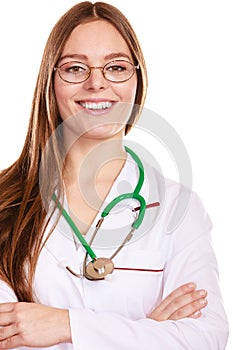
(112, 315)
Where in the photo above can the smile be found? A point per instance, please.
(96, 105)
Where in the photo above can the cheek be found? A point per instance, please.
(126, 91)
(61, 91)
(130, 91)
(63, 94)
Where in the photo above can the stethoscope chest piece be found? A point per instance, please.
(99, 269)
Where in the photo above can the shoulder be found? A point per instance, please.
(181, 207)
(186, 219)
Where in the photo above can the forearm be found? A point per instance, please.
(111, 331)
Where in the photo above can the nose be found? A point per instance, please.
(96, 80)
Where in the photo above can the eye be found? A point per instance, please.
(116, 68)
(74, 68)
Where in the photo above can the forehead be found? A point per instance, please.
(97, 38)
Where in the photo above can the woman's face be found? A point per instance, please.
(101, 107)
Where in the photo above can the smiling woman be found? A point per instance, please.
(73, 171)
(96, 84)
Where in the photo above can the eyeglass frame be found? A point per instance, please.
(135, 67)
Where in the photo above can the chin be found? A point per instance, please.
(105, 132)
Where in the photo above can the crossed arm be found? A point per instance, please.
(37, 325)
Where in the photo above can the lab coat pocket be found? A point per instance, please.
(139, 276)
(135, 286)
(141, 261)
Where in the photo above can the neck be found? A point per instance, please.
(94, 159)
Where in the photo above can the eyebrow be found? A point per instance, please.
(111, 56)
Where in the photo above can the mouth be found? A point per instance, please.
(96, 106)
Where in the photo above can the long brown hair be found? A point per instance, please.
(23, 214)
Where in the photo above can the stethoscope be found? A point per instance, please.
(100, 268)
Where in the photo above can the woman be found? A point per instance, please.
(90, 91)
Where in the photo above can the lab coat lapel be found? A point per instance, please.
(59, 250)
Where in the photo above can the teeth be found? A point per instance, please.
(99, 105)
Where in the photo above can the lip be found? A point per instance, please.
(96, 100)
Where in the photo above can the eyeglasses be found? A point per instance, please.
(116, 71)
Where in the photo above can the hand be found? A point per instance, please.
(32, 325)
(185, 301)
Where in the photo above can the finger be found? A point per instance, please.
(180, 304)
(178, 292)
(6, 313)
(196, 314)
(6, 318)
(185, 300)
(159, 313)
(8, 332)
(7, 307)
(11, 343)
(190, 310)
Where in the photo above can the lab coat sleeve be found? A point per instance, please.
(6, 293)
(191, 258)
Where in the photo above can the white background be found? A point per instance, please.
(188, 47)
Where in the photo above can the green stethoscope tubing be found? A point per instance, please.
(135, 195)
(72, 225)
